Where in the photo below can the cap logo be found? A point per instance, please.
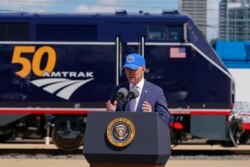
(130, 59)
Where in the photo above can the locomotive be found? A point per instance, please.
(56, 68)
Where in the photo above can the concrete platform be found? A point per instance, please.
(209, 147)
(83, 163)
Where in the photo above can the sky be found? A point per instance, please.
(93, 6)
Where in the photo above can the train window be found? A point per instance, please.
(17, 32)
(156, 32)
(170, 33)
(66, 32)
(175, 33)
(14, 32)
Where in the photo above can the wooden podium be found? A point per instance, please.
(146, 143)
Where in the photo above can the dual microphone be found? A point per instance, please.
(124, 95)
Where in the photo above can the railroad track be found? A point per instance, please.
(198, 148)
(38, 149)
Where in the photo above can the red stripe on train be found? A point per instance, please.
(85, 111)
(45, 111)
(210, 113)
(200, 112)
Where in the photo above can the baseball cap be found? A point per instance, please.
(134, 61)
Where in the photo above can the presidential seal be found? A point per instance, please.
(120, 132)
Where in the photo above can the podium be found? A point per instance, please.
(144, 142)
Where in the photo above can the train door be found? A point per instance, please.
(125, 49)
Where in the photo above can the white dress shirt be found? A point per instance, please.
(134, 102)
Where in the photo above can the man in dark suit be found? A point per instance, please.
(151, 97)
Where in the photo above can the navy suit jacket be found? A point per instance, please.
(151, 93)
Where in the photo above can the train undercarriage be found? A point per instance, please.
(234, 134)
(67, 131)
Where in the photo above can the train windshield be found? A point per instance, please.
(170, 33)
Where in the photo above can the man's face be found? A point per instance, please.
(134, 76)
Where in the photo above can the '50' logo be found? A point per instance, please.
(34, 65)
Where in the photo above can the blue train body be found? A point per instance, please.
(67, 65)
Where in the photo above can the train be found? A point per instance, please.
(56, 68)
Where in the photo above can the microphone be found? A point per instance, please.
(121, 94)
(132, 95)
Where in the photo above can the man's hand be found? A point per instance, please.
(111, 107)
(146, 107)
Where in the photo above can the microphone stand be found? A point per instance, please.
(125, 102)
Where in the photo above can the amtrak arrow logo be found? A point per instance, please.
(66, 86)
